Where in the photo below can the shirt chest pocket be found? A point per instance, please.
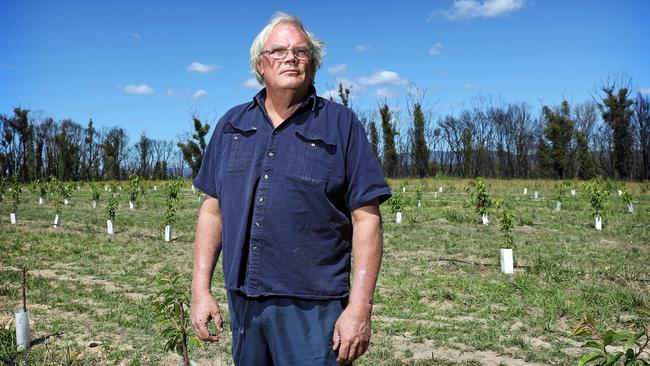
(240, 145)
(310, 158)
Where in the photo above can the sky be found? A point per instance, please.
(148, 66)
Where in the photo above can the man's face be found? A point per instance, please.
(290, 73)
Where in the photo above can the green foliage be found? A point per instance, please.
(41, 188)
(94, 192)
(555, 152)
(617, 110)
(560, 189)
(16, 193)
(633, 343)
(598, 195)
(626, 196)
(480, 196)
(390, 158)
(418, 195)
(419, 149)
(135, 188)
(112, 203)
(66, 189)
(374, 139)
(396, 202)
(507, 225)
(172, 304)
(3, 185)
(194, 149)
(8, 342)
(172, 188)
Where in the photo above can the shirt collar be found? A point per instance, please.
(312, 100)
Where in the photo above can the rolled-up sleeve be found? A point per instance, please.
(365, 179)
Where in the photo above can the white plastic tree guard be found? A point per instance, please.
(484, 219)
(630, 208)
(419, 203)
(131, 205)
(599, 223)
(65, 201)
(525, 191)
(23, 339)
(94, 204)
(573, 192)
(109, 227)
(168, 233)
(57, 221)
(619, 192)
(440, 189)
(403, 189)
(507, 265)
(558, 206)
(12, 216)
(536, 195)
(398, 217)
(155, 188)
(40, 200)
(435, 194)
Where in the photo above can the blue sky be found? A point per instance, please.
(147, 66)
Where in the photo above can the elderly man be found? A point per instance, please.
(293, 191)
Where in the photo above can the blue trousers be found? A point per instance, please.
(282, 331)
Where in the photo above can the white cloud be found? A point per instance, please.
(202, 68)
(170, 92)
(469, 86)
(337, 68)
(349, 84)
(136, 36)
(644, 90)
(383, 77)
(252, 83)
(138, 89)
(199, 94)
(468, 9)
(384, 93)
(362, 47)
(436, 49)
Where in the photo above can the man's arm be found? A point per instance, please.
(207, 247)
(352, 330)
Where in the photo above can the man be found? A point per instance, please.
(293, 190)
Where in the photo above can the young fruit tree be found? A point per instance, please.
(16, 193)
(560, 189)
(66, 190)
(94, 193)
(480, 198)
(598, 195)
(135, 190)
(418, 196)
(172, 304)
(111, 208)
(627, 199)
(507, 225)
(396, 203)
(171, 204)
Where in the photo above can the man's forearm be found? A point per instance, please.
(207, 245)
(367, 248)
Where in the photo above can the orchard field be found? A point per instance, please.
(441, 298)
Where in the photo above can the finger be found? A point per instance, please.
(353, 354)
(363, 348)
(344, 350)
(218, 321)
(336, 339)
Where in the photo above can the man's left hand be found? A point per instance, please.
(352, 334)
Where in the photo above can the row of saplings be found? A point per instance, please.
(597, 189)
(61, 193)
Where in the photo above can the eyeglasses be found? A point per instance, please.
(301, 53)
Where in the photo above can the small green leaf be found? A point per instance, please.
(631, 341)
(620, 336)
(643, 310)
(593, 344)
(608, 337)
(613, 358)
(589, 357)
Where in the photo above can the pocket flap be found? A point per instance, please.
(230, 127)
(318, 140)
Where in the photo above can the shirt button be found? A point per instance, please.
(254, 247)
(257, 223)
(313, 144)
(261, 199)
(236, 137)
(266, 176)
(270, 153)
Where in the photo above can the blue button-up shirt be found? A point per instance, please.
(286, 195)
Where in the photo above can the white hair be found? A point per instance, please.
(316, 46)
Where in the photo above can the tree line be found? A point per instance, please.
(608, 136)
(35, 147)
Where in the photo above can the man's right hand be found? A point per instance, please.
(203, 309)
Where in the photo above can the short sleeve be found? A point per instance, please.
(207, 180)
(365, 179)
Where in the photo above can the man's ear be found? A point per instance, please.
(259, 68)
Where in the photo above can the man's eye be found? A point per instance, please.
(279, 51)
